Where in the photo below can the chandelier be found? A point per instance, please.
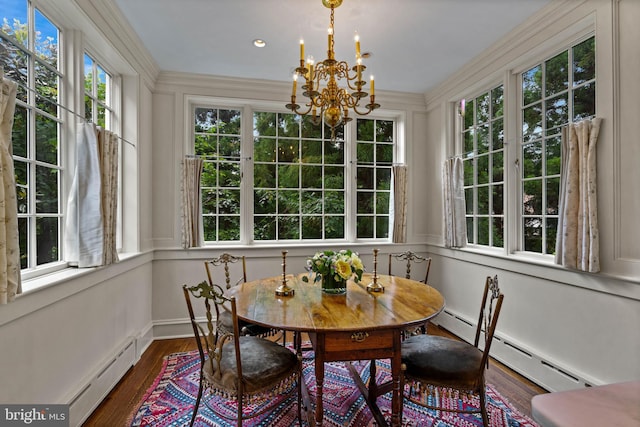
(324, 98)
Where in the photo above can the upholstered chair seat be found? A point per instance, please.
(264, 363)
(441, 360)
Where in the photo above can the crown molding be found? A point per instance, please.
(108, 18)
(268, 90)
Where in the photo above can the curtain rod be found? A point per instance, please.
(66, 109)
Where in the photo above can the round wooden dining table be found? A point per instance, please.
(359, 325)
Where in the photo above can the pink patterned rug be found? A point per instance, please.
(170, 400)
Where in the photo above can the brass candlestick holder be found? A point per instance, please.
(284, 290)
(375, 286)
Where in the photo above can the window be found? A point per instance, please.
(217, 140)
(299, 188)
(555, 92)
(29, 46)
(97, 90)
(375, 141)
(551, 94)
(483, 159)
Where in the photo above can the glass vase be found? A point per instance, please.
(332, 286)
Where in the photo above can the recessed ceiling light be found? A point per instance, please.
(259, 43)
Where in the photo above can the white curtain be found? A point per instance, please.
(577, 244)
(191, 209)
(455, 228)
(91, 208)
(9, 242)
(399, 232)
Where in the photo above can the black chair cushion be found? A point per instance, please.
(431, 358)
(264, 364)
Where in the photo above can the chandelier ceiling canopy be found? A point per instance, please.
(323, 96)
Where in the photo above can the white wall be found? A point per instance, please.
(575, 328)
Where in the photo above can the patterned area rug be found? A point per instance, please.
(170, 400)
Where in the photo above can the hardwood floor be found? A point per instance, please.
(118, 406)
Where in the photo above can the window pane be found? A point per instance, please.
(483, 169)
(384, 131)
(532, 160)
(469, 200)
(483, 231)
(497, 228)
(365, 152)
(557, 74)
(482, 108)
(531, 123)
(334, 177)
(311, 202)
(264, 201)
(497, 100)
(365, 178)
(47, 44)
(334, 227)
(311, 152)
(384, 154)
(288, 151)
(229, 202)
(557, 114)
(365, 202)
(584, 61)
(483, 200)
(19, 132)
(229, 228)
(553, 160)
(584, 102)
(334, 202)
(498, 199)
(533, 234)
(532, 85)
(265, 124)
(47, 237)
(312, 227)
(383, 179)
(365, 227)
(288, 227)
(498, 168)
(468, 171)
(288, 125)
(264, 149)
(365, 130)
(469, 114)
(312, 176)
(468, 141)
(552, 232)
(382, 227)
(553, 196)
(288, 202)
(483, 139)
(532, 197)
(382, 203)
(497, 133)
(264, 228)
(229, 174)
(47, 190)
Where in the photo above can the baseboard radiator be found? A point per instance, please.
(96, 387)
(537, 368)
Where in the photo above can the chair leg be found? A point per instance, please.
(195, 408)
(483, 406)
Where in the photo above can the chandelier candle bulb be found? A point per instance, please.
(295, 82)
(301, 49)
(357, 39)
(373, 86)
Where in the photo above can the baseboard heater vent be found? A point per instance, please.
(525, 361)
(97, 385)
(560, 371)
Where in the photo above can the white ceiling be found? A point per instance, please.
(415, 44)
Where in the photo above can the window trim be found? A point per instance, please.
(248, 107)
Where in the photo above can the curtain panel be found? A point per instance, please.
(455, 228)
(10, 284)
(90, 230)
(191, 204)
(577, 244)
(399, 232)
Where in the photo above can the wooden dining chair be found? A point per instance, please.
(233, 277)
(409, 258)
(238, 373)
(433, 361)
